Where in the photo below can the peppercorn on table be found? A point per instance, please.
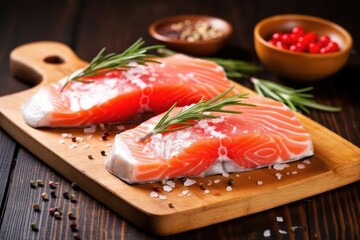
(40, 203)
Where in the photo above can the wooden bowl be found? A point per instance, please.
(298, 65)
(162, 31)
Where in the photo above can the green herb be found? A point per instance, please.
(295, 98)
(112, 61)
(197, 111)
(236, 68)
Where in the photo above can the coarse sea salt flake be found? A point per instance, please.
(294, 172)
(300, 166)
(281, 166)
(229, 188)
(189, 182)
(280, 219)
(170, 183)
(225, 174)
(260, 182)
(90, 129)
(267, 233)
(66, 135)
(154, 194)
(278, 175)
(207, 191)
(306, 161)
(86, 146)
(167, 188)
(109, 144)
(282, 231)
(61, 141)
(185, 192)
(72, 146)
(217, 180)
(162, 197)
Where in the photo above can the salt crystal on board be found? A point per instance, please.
(167, 188)
(216, 180)
(61, 141)
(300, 166)
(267, 233)
(282, 231)
(162, 197)
(306, 161)
(170, 183)
(225, 174)
(278, 175)
(229, 188)
(72, 146)
(260, 182)
(66, 135)
(279, 219)
(281, 166)
(189, 182)
(90, 129)
(154, 194)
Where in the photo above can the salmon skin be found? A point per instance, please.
(119, 95)
(264, 135)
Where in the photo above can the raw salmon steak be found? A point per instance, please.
(264, 135)
(120, 95)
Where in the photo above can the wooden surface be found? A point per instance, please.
(87, 26)
(329, 168)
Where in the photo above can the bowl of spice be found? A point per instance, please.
(301, 47)
(198, 35)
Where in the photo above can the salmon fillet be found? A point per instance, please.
(266, 134)
(118, 96)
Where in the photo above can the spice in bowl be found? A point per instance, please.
(298, 40)
(197, 35)
(191, 31)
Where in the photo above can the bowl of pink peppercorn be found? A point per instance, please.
(301, 47)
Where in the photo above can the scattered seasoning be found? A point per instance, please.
(217, 180)
(155, 188)
(103, 153)
(66, 195)
(282, 231)
(167, 188)
(267, 233)
(162, 197)
(170, 183)
(72, 146)
(71, 216)
(225, 174)
(300, 166)
(154, 194)
(90, 157)
(171, 205)
(33, 184)
(44, 196)
(74, 186)
(163, 182)
(72, 198)
(57, 215)
(53, 194)
(189, 182)
(36, 207)
(73, 139)
(76, 235)
(191, 31)
(202, 186)
(230, 182)
(260, 183)
(229, 188)
(34, 227)
(53, 210)
(66, 135)
(280, 219)
(52, 184)
(73, 227)
(102, 126)
(39, 183)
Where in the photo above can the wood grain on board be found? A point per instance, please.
(336, 161)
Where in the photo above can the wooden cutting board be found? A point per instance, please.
(336, 161)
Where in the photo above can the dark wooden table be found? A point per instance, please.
(87, 26)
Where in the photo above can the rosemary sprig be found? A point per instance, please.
(295, 98)
(183, 119)
(236, 68)
(112, 61)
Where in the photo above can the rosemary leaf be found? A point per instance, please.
(201, 110)
(296, 99)
(112, 61)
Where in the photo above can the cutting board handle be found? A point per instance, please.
(43, 62)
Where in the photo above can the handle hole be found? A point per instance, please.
(54, 60)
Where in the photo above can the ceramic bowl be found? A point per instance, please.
(301, 66)
(185, 34)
